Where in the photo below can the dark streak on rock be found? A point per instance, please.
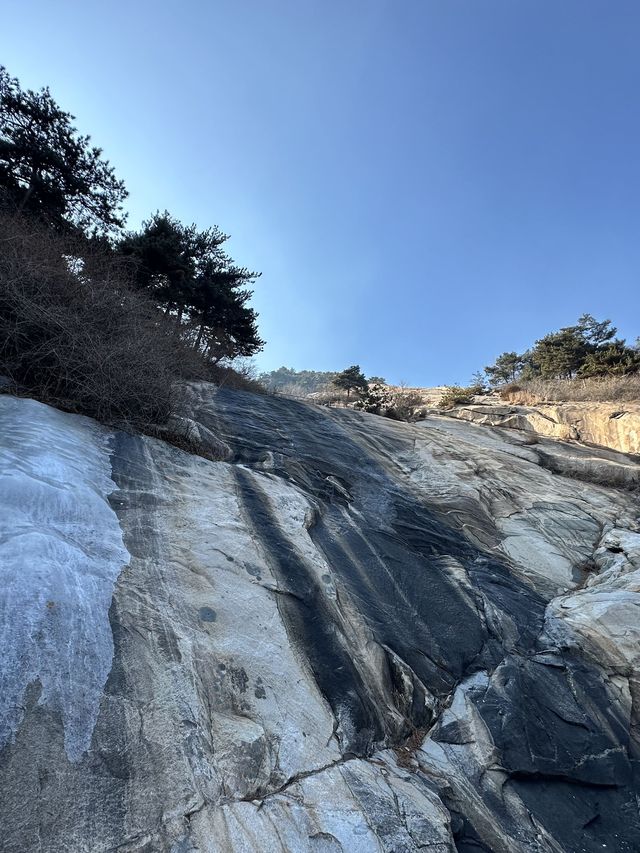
(555, 728)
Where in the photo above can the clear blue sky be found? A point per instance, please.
(423, 183)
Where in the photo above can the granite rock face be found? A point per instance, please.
(613, 425)
(348, 635)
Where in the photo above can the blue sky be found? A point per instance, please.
(423, 183)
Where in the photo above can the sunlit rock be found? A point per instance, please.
(614, 425)
(350, 634)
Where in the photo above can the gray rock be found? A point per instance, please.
(350, 634)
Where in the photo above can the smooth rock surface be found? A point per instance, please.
(350, 635)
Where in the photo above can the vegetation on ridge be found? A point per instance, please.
(296, 383)
(588, 349)
(92, 317)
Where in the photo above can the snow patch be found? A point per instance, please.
(61, 552)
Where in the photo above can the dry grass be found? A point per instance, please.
(405, 753)
(608, 389)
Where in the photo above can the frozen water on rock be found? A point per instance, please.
(61, 551)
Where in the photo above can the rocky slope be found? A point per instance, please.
(348, 634)
(613, 425)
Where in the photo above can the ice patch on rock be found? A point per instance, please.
(61, 552)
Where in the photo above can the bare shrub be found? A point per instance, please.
(454, 395)
(75, 334)
(374, 399)
(405, 405)
(239, 377)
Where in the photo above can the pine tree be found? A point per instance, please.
(164, 256)
(226, 324)
(351, 379)
(505, 368)
(595, 332)
(559, 355)
(195, 281)
(49, 170)
(614, 358)
(587, 349)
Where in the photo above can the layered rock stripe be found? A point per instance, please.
(350, 634)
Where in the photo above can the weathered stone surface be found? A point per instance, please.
(614, 425)
(350, 635)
